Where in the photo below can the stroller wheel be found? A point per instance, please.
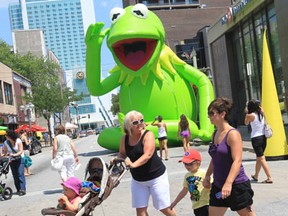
(7, 193)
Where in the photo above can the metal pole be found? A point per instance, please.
(29, 119)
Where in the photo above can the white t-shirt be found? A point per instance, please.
(16, 147)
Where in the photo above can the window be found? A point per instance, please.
(1, 93)
(8, 93)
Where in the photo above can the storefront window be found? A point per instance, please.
(247, 45)
(251, 66)
(276, 59)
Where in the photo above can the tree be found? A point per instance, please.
(48, 94)
(115, 108)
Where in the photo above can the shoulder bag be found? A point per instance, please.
(268, 132)
(57, 162)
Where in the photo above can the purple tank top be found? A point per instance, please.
(222, 161)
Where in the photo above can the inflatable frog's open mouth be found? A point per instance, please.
(134, 53)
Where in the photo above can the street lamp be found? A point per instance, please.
(28, 109)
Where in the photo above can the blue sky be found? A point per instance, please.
(102, 10)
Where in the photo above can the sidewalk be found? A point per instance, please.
(269, 199)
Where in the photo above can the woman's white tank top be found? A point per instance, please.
(257, 126)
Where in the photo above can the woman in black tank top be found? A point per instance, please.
(138, 148)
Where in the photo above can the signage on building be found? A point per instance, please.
(80, 75)
(232, 11)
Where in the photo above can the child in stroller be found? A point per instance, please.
(96, 188)
(6, 192)
(71, 194)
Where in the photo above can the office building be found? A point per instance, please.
(64, 24)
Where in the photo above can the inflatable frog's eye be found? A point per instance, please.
(116, 13)
(140, 10)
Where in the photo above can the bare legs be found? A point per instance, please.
(261, 162)
(142, 211)
(27, 171)
(160, 148)
(165, 148)
(167, 211)
(161, 144)
(186, 144)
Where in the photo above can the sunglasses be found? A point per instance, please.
(189, 164)
(136, 122)
(212, 113)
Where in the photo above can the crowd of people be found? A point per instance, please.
(223, 185)
(18, 145)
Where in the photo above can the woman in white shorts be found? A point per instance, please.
(149, 177)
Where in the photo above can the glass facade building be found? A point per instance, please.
(64, 23)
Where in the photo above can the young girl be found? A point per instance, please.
(184, 132)
(71, 194)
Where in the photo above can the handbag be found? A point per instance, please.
(27, 161)
(268, 132)
(57, 163)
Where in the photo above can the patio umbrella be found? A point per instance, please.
(22, 127)
(68, 125)
(34, 128)
(38, 128)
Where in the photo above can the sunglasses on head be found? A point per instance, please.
(136, 122)
(212, 113)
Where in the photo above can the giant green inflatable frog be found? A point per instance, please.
(152, 79)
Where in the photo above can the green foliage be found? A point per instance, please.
(115, 108)
(48, 94)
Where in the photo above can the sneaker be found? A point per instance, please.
(21, 193)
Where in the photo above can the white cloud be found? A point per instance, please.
(5, 3)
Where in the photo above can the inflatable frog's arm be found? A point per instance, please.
(206, 95)
(94, 39)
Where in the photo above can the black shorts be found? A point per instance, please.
(240, 198)
(259, 145)
(202, 211)
(162, 138)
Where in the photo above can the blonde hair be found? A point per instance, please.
(128, 118)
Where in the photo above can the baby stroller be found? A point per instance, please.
(98, 171)
(6, 192)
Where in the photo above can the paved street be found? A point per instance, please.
(44, 188)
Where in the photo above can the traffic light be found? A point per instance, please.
(88, 116)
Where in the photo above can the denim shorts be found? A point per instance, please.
(240, 198)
